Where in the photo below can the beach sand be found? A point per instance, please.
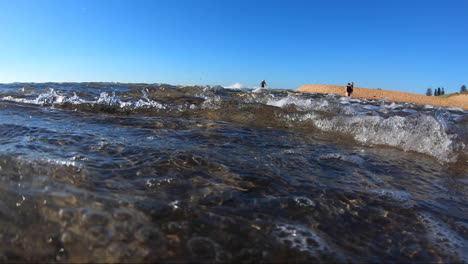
(456, 100)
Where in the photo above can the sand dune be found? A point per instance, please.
(460, 100)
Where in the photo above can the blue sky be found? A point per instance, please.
(395, 45)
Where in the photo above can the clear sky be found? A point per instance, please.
(398, 45)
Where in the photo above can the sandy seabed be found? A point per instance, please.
(458, 100)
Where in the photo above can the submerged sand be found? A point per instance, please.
(457, 100)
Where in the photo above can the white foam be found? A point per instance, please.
(18, 100)
(62, 162)
(429, 107)
(344, 100)
(148, 104)
(348, 110)
(370, 107)
(212, 102)
(420, 133)
(394, 105)
(302, 104)
(105, 98)
(443, 237)
(352, 159)
(411, 111)
(455, 109)
(300, 238)
(49, 98)
(237, 86)
(395, 195)
(212, 88)
(303, 201)
(52, 98)
(75, 99)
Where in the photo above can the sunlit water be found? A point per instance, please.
(103, 172)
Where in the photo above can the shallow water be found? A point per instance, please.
(105, 172)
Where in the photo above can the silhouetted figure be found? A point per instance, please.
(349, 88)
(438, 91)
(263, 84)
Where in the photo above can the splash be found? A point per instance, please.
(420, 133)
(236, 86)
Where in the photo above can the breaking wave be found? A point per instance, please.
(438, 132)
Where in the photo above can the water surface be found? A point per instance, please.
(106, 172)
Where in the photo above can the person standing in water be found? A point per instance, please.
(349, 88)
(263, 84)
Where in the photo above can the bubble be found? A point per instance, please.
(154, 183)
(304, 201)
(300, 238)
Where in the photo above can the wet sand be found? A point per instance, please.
(459, 100)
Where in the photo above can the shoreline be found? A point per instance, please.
(456, 100)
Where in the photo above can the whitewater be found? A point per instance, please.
(112, 172)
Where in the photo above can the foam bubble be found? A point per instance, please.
(63, 162)
(300, 238)
(212, 102)
(304, 201)
(148, 104)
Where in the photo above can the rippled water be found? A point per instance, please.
(105, 172)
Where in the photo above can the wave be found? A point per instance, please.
(421, 133)
(438, 132)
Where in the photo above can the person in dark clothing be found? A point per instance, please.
(349, 88)
(263, 84)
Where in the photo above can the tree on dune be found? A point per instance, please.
(429, 92)
(463, 88)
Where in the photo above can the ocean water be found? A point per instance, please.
(108, 172)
